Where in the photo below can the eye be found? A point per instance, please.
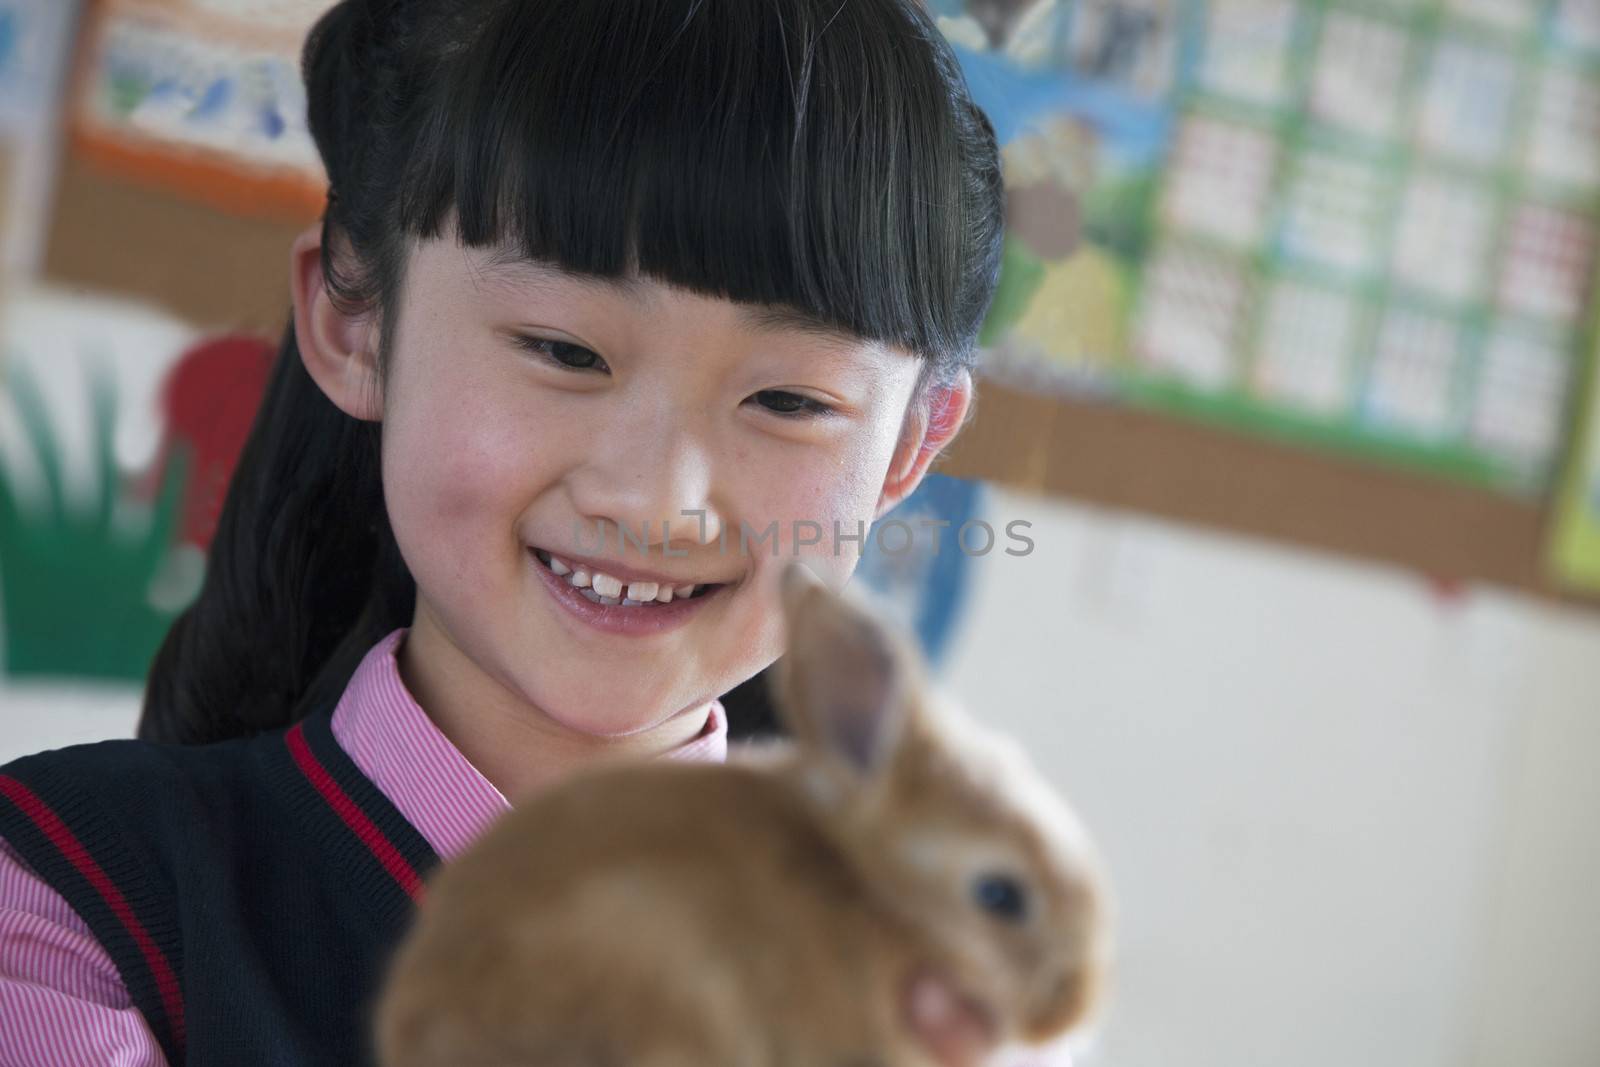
(793, 405)
(562, 353)
(1001, 896)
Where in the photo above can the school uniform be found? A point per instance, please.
(230, 903)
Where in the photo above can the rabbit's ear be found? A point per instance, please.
(845, 683)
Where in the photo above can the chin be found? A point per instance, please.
(587, 720)
(600, 712)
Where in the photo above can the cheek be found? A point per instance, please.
(459, 469)
(832, 488)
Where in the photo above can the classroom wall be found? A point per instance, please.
(1348, 818)
(1348, 814)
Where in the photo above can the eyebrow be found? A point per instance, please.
(513, 268)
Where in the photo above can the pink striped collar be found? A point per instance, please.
(394, 743)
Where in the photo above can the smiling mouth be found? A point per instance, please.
(601, 588)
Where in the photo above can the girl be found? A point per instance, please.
(615, 306)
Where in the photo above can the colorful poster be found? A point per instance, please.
(1370, 227)
(35, 43)
(916, 558)
(119, 429)
(33, 35)
(205, 97)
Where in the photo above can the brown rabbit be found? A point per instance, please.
(768, 912)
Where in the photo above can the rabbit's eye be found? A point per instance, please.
(1001, 896)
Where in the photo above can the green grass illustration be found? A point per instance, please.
(76, 578)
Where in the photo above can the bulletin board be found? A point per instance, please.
(204, 97)
(35, 43)
(1365, 225)
(1182, 176)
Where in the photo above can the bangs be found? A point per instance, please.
(819, 156)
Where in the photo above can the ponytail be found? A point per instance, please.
(304, 575)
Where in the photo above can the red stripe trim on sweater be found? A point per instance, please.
(67, 843)
(372, 837)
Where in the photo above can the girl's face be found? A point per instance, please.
(536, 422)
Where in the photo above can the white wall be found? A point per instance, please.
(1348, 820)
(35, 716)
(1538, 990)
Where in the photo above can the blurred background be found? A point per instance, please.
(1291, 374)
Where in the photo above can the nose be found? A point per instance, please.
(649, 480)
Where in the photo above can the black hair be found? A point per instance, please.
(823, 155)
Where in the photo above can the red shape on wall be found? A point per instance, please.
(208, 403)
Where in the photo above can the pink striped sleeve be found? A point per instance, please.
(63, 1003)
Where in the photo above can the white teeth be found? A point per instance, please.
(602, 588)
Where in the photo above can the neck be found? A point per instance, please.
(518, 747)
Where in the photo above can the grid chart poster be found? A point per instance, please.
(203, 96)
(1365, 224)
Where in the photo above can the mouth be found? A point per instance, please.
(601, 587)
(624, 605)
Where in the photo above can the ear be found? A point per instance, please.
(845, 684)
(338, 349)
(930, 426)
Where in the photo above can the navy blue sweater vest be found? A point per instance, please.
(249, 892)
